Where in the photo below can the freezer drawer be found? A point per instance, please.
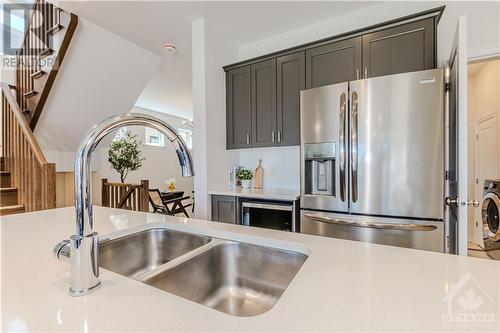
(416, 234)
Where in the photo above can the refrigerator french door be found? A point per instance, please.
(393, 184)
(397, 145)
(378, 143)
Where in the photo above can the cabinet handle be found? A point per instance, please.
(279, 136)
(248, 138)
(357, 74)
(272, 136)
(366, 73)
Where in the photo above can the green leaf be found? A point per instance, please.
(124, 155)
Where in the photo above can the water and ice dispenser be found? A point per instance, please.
(319, 168)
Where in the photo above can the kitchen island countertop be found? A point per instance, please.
(342, 286)
(264, 193)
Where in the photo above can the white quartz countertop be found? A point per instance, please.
(265, 193)
(342, 286)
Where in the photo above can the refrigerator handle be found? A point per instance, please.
(342, 148)
(354, 146)
(372, 225)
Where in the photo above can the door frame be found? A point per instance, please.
(456, 181)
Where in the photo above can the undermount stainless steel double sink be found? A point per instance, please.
(236, 278)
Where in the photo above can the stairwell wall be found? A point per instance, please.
(102, 74)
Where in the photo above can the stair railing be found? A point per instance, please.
(31, 174)
(40, 55)
(125, 196)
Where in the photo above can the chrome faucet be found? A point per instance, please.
(84, 249)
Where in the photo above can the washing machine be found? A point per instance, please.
(490, 209)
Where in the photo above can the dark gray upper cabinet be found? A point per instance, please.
(404, 48)
(333, 63)
(263, 94)
(238, 108)
(264, 103)
(224, 208)
(290, 81)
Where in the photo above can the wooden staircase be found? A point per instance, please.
(27, 180)
(45, 43)
(8, 194)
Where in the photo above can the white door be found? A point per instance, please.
(486, 157)
(457, 200)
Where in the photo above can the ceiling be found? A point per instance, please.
(152, 24)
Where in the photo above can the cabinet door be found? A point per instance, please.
(238, 108)
(405, 48)
(333, 63)
(264, 103)
(224, 208)
(291, 79)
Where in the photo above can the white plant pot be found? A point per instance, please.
(246, 183)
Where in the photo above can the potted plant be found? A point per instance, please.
(124, 155)
(245, 175)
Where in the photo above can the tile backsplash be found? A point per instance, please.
(281, 165)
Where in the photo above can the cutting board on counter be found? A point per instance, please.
(259, 176)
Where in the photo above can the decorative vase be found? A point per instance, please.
(245, 183)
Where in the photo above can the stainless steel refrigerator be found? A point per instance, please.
(372, 160)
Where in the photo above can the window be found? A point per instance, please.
(120, 134)
(187, 136)
(154, 137)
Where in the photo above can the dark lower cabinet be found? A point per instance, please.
(224, 208)
(238, 108)
(290, 81)
(264, 104)
(334, 63)
(404, 48)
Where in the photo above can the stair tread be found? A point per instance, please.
(37, 74)
(46, 52)
(55, 28)
(30, 93)
(11, 209)
(8, 189)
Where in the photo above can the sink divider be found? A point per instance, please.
(179, 260)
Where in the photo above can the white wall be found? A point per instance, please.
(101, 75)
(212, 162)
(281, 165)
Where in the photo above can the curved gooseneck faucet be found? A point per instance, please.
(84, 250)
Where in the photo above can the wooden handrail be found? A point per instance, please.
(21, 120)
(30, 173)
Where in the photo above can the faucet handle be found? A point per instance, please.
(61, 250)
